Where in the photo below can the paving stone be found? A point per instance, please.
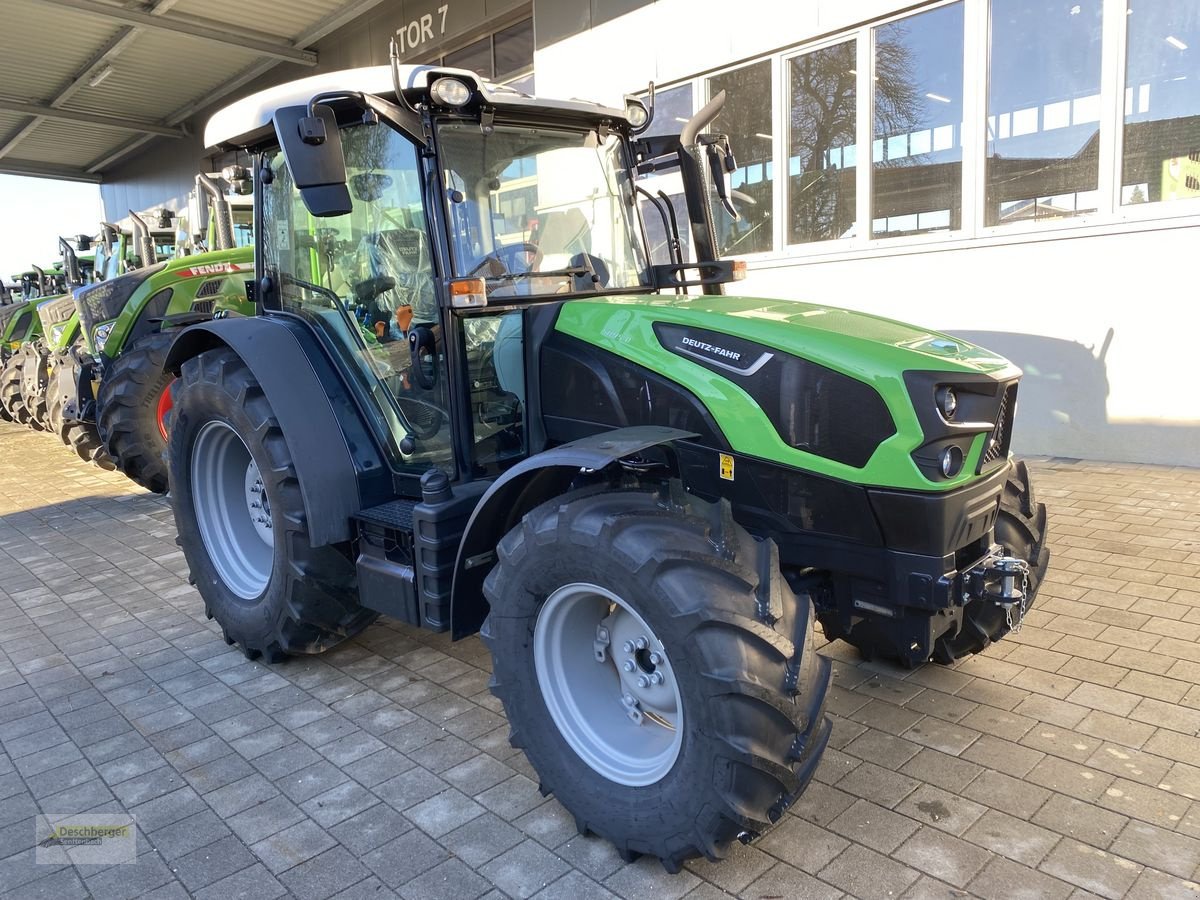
(450, 880)
(1017, 839)
(325, 875)
(264, 819)
(1152, 885)
(1003, 792)
(372, 828)
(873, 826)
(1004, 756)
(1070, 778)
(182, 837)
(942, 770)
(872, 782)
(404, 858)
(253, 882)
(1002, 879)
(292, 846)
(943, 810)
(1159, 848)
(339, 803)
(212, 863)
(1091, 869)
(646, 878)
(942, 856)
(863, 873)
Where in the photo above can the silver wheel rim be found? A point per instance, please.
(608, 685)
(232, 511)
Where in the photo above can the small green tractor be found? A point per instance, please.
(641, 498)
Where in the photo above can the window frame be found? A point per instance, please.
(1110, 217)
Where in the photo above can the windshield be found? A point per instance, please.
(540, 211)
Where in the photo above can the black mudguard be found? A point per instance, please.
(529, 483)
(290, 368)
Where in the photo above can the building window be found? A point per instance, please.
(1043, 125)
(1162, 103)
(822, 149)
(916, 146)
(746, 119)
(505, 57)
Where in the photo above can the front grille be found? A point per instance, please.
(210, 287)
(998, 440)
(52, 312)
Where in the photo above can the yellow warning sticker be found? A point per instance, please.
(727, 467)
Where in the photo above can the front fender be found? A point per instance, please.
(289, 368)
(531, 482)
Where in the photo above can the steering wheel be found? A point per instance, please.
(424, 419)
(506, 256)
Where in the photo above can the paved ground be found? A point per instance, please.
(1063, 762)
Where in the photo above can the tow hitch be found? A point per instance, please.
(1002, 580)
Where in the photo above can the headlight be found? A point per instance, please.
(56, 333)
(450, 92)
(947, 402)
(951, 461)
(101, 336)
(636, 113)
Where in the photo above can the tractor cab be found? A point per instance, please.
(415, 221)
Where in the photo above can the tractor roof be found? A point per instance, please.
(248, 121)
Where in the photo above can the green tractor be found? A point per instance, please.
(640, 498)
(24, 375)
(112, 387)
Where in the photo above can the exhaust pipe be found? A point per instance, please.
(142, 239)
(704, 115)
(222, 215)
(41, 280)
(70, 264)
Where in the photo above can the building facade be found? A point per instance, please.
(1022, 173)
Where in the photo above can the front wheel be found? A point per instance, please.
(1021, 530)
(241, 520)
(132, 403)
(82, 437)
(656, 669)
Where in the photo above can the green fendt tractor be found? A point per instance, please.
(25, 372)
(112, 387)
(637, 496)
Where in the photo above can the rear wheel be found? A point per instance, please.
(1021, 530)
(656, 669)
(133, 400)
(241, 521)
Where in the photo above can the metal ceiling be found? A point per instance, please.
(85, 83)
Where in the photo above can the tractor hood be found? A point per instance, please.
(721, 348)
(858, 344)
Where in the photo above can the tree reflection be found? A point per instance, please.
(823, 145)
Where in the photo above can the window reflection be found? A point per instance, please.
(1043, 124)
(746, 118)
(822, 149)
(916, 150)
(1162, 103)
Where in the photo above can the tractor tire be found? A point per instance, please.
(34, 383)
(738, 725)
(81, 437)
(241, 521)
(133, 399)
(10, 389)
(5, 415)
(1021, 530)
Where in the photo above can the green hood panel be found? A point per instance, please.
(869, 348)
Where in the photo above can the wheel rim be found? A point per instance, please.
(608, 685)
(232, 511)
(165, 403)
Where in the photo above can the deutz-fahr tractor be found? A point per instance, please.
(638, 496)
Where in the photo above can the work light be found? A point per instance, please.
(450, 92)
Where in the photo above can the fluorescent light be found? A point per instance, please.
(1176, 42)
(98, 77)
(938, 97)
(852, 71)
(765, 137)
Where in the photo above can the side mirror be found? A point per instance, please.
(318, 169)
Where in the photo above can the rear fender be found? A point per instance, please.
(289, 366)
(526, 485)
